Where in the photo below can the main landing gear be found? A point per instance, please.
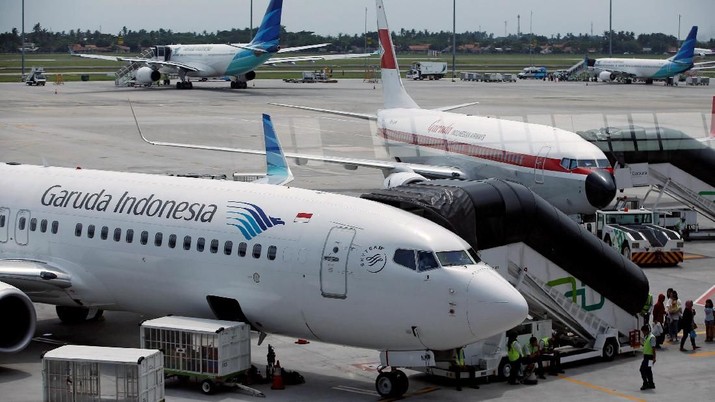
(391, 384)
(184, 85)
(239, 84)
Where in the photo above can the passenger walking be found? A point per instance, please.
(659, 328)
(675, 311)
(687, 323)
(709, 321)
(648, 358)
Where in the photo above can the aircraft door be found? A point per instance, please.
(4, 224)
(334, 263)
(539, 164)
(22, 227)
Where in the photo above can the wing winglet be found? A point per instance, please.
(277, 170)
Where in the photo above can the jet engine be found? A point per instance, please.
(251, 75)
(400, 178)
(606, 76)
(146, 75)
(17, 314)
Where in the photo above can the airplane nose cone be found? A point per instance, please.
(600, 188)
(494, 305)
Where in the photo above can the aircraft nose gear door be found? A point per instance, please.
(334, 263)
(539, 165)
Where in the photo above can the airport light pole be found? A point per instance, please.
(610, 28)
(22, 45)
(454, 37)
(678, 28)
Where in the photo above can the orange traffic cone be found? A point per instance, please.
(277, 376)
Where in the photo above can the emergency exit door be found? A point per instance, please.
(334, 263)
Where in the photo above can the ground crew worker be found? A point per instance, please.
(547, 345)
(460, 366)
(648, 358)
(515, 359)
(532, 360)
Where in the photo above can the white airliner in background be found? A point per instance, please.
(626, 70)
(560, 166)
(237, 61)
(289, 261)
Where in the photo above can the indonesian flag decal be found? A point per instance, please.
(303, 217)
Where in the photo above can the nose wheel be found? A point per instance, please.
(391, 384)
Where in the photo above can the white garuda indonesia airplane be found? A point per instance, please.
(560, 166)
(286, 260)
(238, 61)
(626, 70)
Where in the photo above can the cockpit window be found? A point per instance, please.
(406, 258)
(452, 258)
(603, 163)
(426, 261)
(587, 163)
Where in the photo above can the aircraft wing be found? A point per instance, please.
(150, 62)
(299, 48)
(363, 116)
(33, 277)
(706, 65)
(431, 171)
(295, 59)
(452, 107)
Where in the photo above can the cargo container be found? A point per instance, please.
(213, 352)
(93, 373)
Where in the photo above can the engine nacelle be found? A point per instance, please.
(146, 75)
(17, 314)
(251, 75)
(606, 76)
(400, 178)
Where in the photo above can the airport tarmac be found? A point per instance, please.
(90, 124)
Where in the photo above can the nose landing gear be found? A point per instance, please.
(391, 384)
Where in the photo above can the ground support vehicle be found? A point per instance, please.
(213, 352)
(633, 233)
(36, 77)
(538, 73)
(432, 70)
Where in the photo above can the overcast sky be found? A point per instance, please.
(330, 17)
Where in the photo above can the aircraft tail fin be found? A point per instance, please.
(393, 92)
(687, 49)
(277, 169)
(268, 33)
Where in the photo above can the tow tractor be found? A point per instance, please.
(634, 234)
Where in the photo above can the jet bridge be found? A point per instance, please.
(668, 160)
(564, 272)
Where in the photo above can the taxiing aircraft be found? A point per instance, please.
(626, 70)
(560, 166)
(238, 61)
(290, 261)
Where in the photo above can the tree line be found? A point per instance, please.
(622, 41)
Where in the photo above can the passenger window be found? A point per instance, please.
(33, 224)
(187, 242)
(104, 233)
(228, 247)
(43, 226)
(130, 235)
(200, 242)
(214, 246)
(406, 258)
(271, 253)
(144, 239)
(21, 224)
(256, 251)
(77, 229)
(158, 237)
(55, 227)
(172, 241)
(242, 249)
(2, 221)
(90, 231)
(426, 261)
(117, 234)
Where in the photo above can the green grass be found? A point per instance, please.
(72, 67)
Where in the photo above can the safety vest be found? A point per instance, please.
(546, 340)
(513, 354)
(460, 357)
(647, 347)
(648, 305)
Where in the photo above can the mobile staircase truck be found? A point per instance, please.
(566, 274)
(432, 70)
(36, 77)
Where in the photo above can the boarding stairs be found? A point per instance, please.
(125, 75)
(580, 66)
(558, 307)
(682, 193)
